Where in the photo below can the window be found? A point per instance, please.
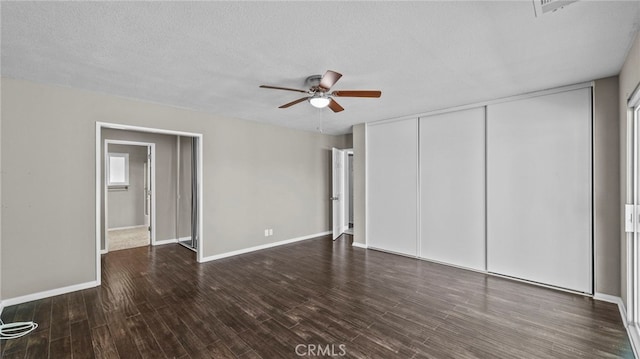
(118, 169)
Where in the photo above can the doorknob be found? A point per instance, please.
(334, 198)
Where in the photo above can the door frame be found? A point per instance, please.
(99, 176)
(147, 185)
(340, 190)
(150, 146)
(632, 235)
(337, 192)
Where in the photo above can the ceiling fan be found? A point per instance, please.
(319, 94)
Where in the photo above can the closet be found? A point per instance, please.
(504, 188)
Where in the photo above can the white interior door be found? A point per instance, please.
(337, 191)
(539, 189)
(452, 188)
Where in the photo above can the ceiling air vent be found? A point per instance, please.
(542, 7)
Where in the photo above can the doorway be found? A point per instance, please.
(166, 228)
(129, 194)
(342, 191)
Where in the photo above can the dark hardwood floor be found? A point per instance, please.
(318, 297)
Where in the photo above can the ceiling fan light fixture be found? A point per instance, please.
(319, 101)
(320, 95)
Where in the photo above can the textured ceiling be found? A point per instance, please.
(212, 56)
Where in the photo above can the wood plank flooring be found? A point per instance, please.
(314, 298)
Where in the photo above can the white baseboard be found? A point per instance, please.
(165, 241)
(634, 338)
(632, 331)
(128, 227)
(262, 246)
(104, 251)
(608, 298)
(359, 245)
(48, 293)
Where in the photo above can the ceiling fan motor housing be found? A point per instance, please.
(313, 81)
(319, 93)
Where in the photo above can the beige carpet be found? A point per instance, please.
(128, 238)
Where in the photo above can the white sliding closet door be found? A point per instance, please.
(539, 189)
(392, 186)
(452, 188)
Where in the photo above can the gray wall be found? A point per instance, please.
(165, 177)
(346, 141)
(629, 80)
(126, 205)
(606, 181)
(359, 190)
(265, 177)
(256, 176)
(48, 190)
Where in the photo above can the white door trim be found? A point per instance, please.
(366, 187)
(99, 174)
(337, 192)
(632, 239)
(152, 146)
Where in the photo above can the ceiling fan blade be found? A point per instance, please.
(335, 107)
(329, 79)
(294, 102)
(357, 93)
(281, 88)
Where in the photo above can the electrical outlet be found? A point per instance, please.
(266, 233)
(271, 232)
